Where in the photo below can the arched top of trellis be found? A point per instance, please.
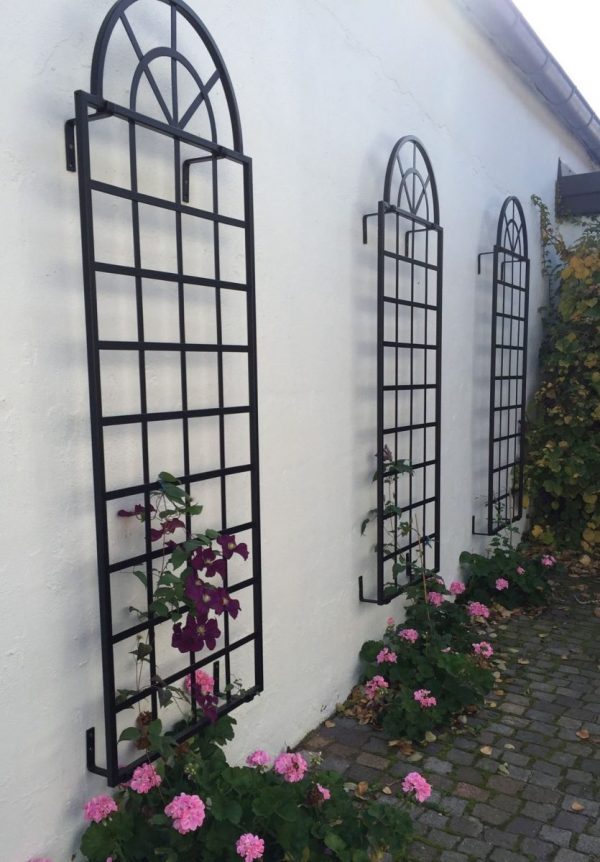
(410, 181)
(512, 230)
(167, 46)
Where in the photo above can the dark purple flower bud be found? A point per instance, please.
(172, 525)
(387, 453)
(155, 534)
(137, 511)
(229, 546)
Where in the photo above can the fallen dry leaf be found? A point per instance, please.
(491, 703)
(583, 733)
(499, 692)
(597, 612)
(330, 724)
(361, 788)
(403, 745)
(509, 746)
(522, 661)
(504, 769)
(577, 806)
(585, 560)
(486, 749)
(415, 758)
(387, 790)
(430, 737)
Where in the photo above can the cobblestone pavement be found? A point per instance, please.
(537, 795)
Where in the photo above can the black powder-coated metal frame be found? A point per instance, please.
(413, 213)
(94, 106)
(508, 368)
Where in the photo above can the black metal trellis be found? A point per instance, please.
(409, 341)
(170, 122)
(508, 371)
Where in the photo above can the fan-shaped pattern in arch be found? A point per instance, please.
(512, 230)
(410, 182)
(117, 18)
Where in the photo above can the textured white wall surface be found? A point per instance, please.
(325, 88)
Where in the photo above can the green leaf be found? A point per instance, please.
(130, 733)
(167, 477)
(334, 842)
(212, 534)
(141, 576)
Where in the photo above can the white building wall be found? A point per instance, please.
(325, 88)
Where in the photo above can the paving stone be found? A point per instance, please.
(453, 856)
(453, 806)
(539, 811)
(357, 772)
(504, 784)
(422, 852)
(541, 794)
(377, 745)
(374, 761)
(502, 855)
(434, 764)
(561, 837)
(433, 819)
(524, 826)
(572, 822)
(475, 847)
(537, 849)
(442, 839)
(466, 826)
(500, 838)
(461, 758)
(506, 803)
(565, 855)
(471, 791)
(489, 815)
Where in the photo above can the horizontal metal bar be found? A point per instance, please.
(509, 407)
(179, 347)
(390, 208)
(505, 466)
(165, 416)
(508, 377)
(162, 203)
(410, 304)
(159, 275)
(410, 345)
(408, 547)
(403, 428)
(183, 480)
(122, 565)
(519, 258)
(509, 347)
(410, 507)
(412, 260)
(512, 286)
(413, 467)
(508, 317)
(163, 128)
(507, 437)
(405, 387)
(127, 703)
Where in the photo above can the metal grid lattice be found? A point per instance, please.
(409, 339)
(206, 374)
(508, 371)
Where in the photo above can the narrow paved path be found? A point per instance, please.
(534, 794)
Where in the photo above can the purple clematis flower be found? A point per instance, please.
(155, 534)
(230, 546)
(199, 592)
(136, 512)
(171, 525)
(206, 558)
(222, 602)
(195, 634)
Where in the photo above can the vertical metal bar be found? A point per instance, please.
(253, 418)
(523, 387)
(396, 370)
(438, 398)
(380, 396)
(425, 390)
(491, 475)
(95, 394)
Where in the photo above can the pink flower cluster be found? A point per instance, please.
(415, 782)
(476, 609)
(258, 758)
(374, 686)
(99, 808)
(187, 811)
(483, 648)
(502, 584)
(520, 570)
(435, 599)
(390, 622)
(386, 655)
(424, 697)
(410, 635)
(250, 846)
(325, 793)
(144, 778)
(45, 859)
(548, 560)
(457, 588)
(291, 766)
(205, 684)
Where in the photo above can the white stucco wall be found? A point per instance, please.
(325, 88)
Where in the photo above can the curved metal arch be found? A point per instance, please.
(512, 226)
(410, 173)
(117, 14)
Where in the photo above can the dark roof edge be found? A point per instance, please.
(515, 39)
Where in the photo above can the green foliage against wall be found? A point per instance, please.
(562, 473)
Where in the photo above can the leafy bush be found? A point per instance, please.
(192, 805)
(421, 673)
(562, 471)
(506, 576)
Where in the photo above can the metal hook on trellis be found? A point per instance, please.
(185, 171)
(70, 136)
(479, 256)
(364, 224)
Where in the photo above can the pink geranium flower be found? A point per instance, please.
(144, 778)
(410, 635)
(483, 648)
(187, 812)
(502, 584)
(435, 599)
(548, 560)
(415, 782)
(325, 793)
(374, 686)
(390, 622)
(424, 697)
(205, 684)
(520, 570)
(291, 766)
(386, 655)
(45, 859)
(258, 758)
(476, 609)
(250, 846)
(99, 808)
(457, 588)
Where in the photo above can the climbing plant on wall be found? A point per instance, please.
(562, 473)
